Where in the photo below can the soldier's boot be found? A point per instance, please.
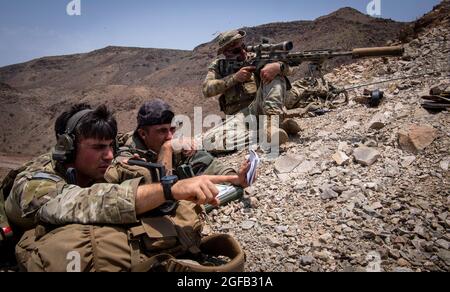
(273, 133)
(290, 126)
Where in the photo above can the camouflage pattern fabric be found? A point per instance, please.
(40, 193)
(237, 96)
(306, 92)
(273, 99)
(238, 101)
(234, 95)
(228, 37)
(131, 143)
(235, 133)
(270, 99)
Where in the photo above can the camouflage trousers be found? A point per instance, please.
(241, 130)
(270, 99)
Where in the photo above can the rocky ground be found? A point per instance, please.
(360, 189)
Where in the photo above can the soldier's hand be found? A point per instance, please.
(242, 174)
(269, 72)
(187, 146)
(245, 74)
(201, 189)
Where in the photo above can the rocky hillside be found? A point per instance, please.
(125, 77)
(360, 189)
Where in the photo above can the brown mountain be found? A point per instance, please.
(33, 93)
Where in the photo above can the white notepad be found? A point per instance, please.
(254, 162)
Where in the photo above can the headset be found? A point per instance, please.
(64, 151)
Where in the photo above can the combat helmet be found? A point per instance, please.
(227, 38)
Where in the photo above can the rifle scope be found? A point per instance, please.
(284, 46)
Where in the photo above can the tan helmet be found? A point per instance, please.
(227, 38)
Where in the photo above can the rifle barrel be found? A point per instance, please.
(378, 52)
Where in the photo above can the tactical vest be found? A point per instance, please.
(239, 96)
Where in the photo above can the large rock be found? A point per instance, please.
(366, 156)
(416, 138)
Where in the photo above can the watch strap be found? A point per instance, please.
(167, 188)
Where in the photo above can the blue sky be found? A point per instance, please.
(36, 28)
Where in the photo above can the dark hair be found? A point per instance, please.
(98, 124)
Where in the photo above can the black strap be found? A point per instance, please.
(75, 119)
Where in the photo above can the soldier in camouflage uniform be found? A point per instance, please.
(241, 96)
(73, 189)
(153, 141)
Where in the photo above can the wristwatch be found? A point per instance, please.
(167, 183)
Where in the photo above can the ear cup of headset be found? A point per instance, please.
(64, 151)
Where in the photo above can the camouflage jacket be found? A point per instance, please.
(234, 96)
(42, 194)
(201, 163)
